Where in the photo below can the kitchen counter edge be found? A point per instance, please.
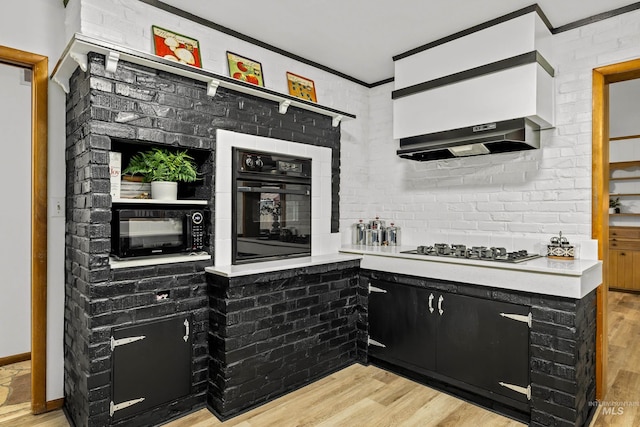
(279, 265)
(562, 278)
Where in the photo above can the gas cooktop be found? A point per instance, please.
(482, 253)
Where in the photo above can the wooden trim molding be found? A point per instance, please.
(16, 358)
(602, 77)
(600, 220)
(54, 405)
(39, 65)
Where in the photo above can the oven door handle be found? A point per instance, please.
(272, 190)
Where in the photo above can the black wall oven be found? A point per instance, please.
(272, 206)
(141, 231)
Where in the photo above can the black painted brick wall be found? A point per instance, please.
(362, 324)
(563, 360)
(148, 107)
(274, 332)
(98, 298)
(562, 346)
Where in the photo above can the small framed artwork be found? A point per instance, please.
(301, 87)
(245, 69)
(176, 47)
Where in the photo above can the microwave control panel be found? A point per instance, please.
(197, 230)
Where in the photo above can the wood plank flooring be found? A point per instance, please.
(368, 396)
(621, 406)
(359, 396)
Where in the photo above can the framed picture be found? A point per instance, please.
(244, 69)
(176, 47)
(301, 87)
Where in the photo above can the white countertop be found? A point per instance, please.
(570, 278)
(564, 278)
(279, 265)
(157, 260)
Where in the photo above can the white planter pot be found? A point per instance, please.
(162, 190)
(612, 210)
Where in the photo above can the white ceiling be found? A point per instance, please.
(360, 37)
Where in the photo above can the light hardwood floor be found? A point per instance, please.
(621, 407)
(359, 396)
(368, 396)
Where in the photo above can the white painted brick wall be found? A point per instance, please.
(129, 23)
(529, 195)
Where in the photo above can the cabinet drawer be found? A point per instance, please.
(624, 232)
(626, 244)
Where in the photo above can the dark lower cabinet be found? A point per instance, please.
(472, 343)
(151, 365)
(400, 328)
(485, 344)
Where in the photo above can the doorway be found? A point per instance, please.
(39, 67)
(602, 78)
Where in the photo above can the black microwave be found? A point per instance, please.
(138, 231)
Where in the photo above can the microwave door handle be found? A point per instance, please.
(189, 234)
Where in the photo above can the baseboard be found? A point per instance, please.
(53, 405)
(15, 358)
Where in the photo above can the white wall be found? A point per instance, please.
(624, 109)
(532, 194)
(15, 218)
(36, 26)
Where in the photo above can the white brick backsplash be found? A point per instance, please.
(524, 228)
(543, 218)
(506, 216)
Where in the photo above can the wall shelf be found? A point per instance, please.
(625, 178)
(80, 45)
(621, 166)
(625, 137)
(624, 165)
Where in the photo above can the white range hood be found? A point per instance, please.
(483, 79)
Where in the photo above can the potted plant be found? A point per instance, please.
(614, 205)
(163, 169)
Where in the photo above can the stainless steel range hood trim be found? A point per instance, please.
(499, 137)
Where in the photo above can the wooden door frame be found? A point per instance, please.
(39, 65)
(602, 77)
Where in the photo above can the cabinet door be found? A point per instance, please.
(401, 321)
(635, 273)
(624, 269)
(480, 346)
(151, 365)
(620, 269)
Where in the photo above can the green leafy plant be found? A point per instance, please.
(614, 203)
(163, 165)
